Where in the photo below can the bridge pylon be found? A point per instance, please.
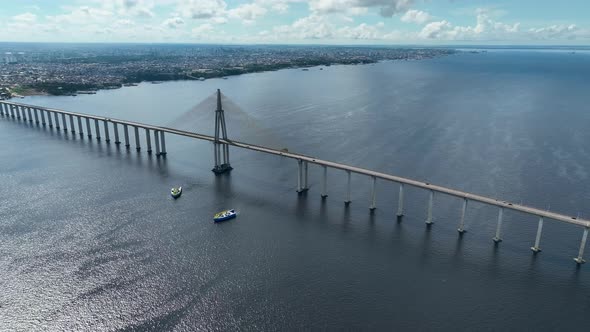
(220, 150)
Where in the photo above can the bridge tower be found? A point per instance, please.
(221, 150)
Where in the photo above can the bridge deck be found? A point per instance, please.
(353, 169)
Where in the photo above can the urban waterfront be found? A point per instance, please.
(90, 240)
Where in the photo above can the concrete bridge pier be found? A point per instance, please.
(137, 146)
(49, 119)
(2, 109)
(324, 182)
(163, 141)
(42, 115)
(17, 111)
(400, 202)
(105, 124)
(461, 228)
(148, 141)
(36, 115)
(116, 130)
(348, 177)
(372, 207)
(126, 132)
(157, 142)
(64, 123)
(56, 117)
(80, 129)
(73, 129)
(536, 247)
(88, 131)
(579, 259)
(29, 114)
(96, 130)
(497, 238)
(301, 176)
(430, 205)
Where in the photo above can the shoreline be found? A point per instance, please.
(222, 73)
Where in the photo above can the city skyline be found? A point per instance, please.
(443, 22)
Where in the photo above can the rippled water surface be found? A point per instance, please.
(91, 240)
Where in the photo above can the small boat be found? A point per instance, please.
(176, 192)
(224, 215)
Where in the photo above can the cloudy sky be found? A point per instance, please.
(298, 21)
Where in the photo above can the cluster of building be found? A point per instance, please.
(67, 69)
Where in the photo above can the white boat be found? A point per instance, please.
(176, 192)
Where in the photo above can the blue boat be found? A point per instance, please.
(224, 215)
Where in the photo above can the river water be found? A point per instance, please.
(91, 240)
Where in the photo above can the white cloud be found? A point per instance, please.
(82, 15)
(557, 32)
(201, 9)
(416, 16)
(173, 22)
(202, 30)
(485, 29)
(248, 12)
(310, 27)
(25, 18)
(387, 8)
(362, 31)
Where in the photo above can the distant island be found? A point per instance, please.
(70, 69)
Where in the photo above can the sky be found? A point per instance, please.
(444, 22)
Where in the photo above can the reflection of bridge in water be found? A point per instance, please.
(51, 117)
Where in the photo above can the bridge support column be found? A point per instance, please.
(56, 117)
(300, 181)
(126, 132)
(400, 202)
(88, 131)
(42, 115)
(49, 119)
(347, 199)
(96, 130)
(325, 182)
(536, 247)
(116, 130)
(497, 238)
(373, 194)
(430, 205)
(73, 129)
(461, 228)
(2, 109)
(157, 142)
(163, 141)
(80, 129)
(305, 186)
(579, 259)
(30, 117)
(36, 115)
(17, 111)
(64, 123)
(137, 146)
(106, 131)
(148, 141)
